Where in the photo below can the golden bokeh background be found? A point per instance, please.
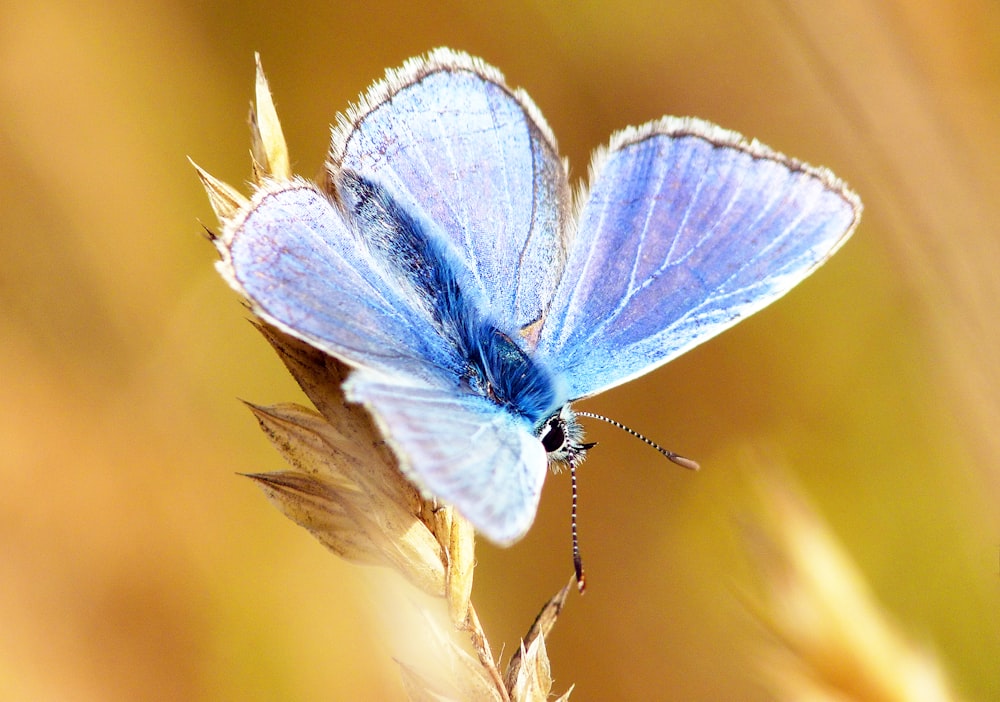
(137, 565)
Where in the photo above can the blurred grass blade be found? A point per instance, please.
(836, 641)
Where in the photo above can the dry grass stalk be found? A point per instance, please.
(345, 487)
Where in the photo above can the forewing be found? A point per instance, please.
(449, 140)
(460, 448)
(687, 229)
(305, 269)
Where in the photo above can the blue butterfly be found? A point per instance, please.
(475, 296)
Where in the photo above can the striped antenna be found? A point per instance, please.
(581, 579)
(670, 455)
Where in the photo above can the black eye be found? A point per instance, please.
(554, 438)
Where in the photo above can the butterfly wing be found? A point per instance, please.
(303, 268)
(313, 270)
(461, 449)
(452, 143)
(687, 229)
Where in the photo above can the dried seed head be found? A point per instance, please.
(528, 675)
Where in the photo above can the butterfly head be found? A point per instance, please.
(562, 437)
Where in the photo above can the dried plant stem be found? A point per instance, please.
(482, 648)
(346, 488)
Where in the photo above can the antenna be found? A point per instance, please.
(670, 455)
(581, 579)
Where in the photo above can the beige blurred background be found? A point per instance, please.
(135, 563)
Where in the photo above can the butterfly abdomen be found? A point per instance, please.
(509, 377)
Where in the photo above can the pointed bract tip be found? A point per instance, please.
(226, 200)
(270, 152)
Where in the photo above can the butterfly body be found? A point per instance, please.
(444, 259)
(486, 360)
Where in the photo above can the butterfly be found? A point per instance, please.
(446, 259)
